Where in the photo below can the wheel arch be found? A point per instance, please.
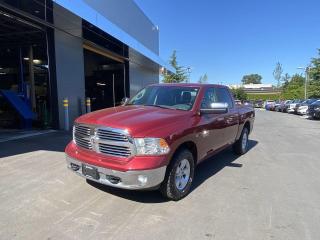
(189, 145)
(247, 125)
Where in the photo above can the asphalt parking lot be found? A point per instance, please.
(272, 192)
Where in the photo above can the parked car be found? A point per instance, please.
(282, 106)
(248, 103)
(258, 103)
(156, 139)
(303, 108)
(237, 102)
(314, 110)
(292, 106)
(269, 104)
(276, 106)
(286, 106)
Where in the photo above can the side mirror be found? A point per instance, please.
(215, 108)
(124, 101)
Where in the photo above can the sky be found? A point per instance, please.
(231, 38)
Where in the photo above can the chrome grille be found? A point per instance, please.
(82, 136)
(104, 140)
(123, 151)
(111, 135)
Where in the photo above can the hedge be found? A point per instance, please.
(264, 96)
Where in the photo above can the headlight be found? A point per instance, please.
(151, 146)
(317, 109)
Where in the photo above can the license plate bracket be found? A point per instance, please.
(90, 172)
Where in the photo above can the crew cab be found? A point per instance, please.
(156, 139)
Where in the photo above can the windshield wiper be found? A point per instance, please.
(152, 105)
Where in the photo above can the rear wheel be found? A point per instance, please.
(241, 146)
(179, 176)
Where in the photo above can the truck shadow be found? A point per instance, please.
(204, 171)
(213, 165)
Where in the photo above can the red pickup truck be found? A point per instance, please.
(156, 139)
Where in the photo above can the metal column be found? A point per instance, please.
(31, 78)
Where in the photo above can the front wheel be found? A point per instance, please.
(241, 146)
(179, 176)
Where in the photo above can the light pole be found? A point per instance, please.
(189, 70)
(306, 70)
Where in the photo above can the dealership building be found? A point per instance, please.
(72, 49)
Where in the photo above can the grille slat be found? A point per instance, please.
(109, 152)
(111, 135)
(114, 147)
(82, 130)
(84, 145)
(114, 150)
(113, 139)
(81, 135)
(113, 142)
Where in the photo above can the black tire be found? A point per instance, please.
(238, 147)
(168, 187)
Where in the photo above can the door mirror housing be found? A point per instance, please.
(124, 101)
(215, 108)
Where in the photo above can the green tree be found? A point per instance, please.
(251, 78)
(179, 76)
(277, 73)
(203, 79)
(285, 79)
(295, 88)
(239, 94)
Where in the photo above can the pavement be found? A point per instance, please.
(271, 192)
(14, 134)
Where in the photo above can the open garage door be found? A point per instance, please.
(24, 73)
(105, 76)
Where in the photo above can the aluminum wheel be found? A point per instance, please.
(182, 174)
(244, 140)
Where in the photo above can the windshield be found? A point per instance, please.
(309, 101)
(172, 97)
(316, 103)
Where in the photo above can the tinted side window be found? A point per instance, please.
(209, 97)
(224, 96)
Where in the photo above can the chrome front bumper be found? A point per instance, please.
(143, 179)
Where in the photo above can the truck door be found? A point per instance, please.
(211, 126)
(231, 118)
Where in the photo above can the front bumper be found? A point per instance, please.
(142, 179)
(302, 111)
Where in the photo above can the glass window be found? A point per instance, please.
(173, 97)
(214, 95)
(224, 96)
(210, 96)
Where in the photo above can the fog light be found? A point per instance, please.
(142, 179)
(74, 167)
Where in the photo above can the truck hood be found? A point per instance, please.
(137, 120)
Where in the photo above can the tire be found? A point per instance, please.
(170, 186)
(240, 147)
